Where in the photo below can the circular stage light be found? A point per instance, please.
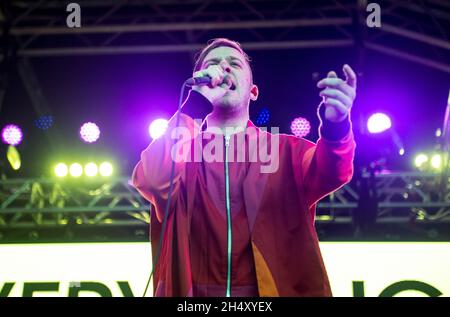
(436, 161)
(91, 169)
(420, 159)
(106, 169)
(378, 122)
(61, 170)
(12, 135)
(89, 132)
(76, 170)
(157, 128)
(300, 127)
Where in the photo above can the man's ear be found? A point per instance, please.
(254, 92)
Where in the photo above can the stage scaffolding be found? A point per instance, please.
(370, 200)
(38, 28)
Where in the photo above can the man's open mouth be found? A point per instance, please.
(229, 84)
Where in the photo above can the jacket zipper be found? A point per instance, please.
(228, 209)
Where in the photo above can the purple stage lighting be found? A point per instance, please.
(157, 128)
(300, 127)
(12, 134)
(89, 132)
(378, 122)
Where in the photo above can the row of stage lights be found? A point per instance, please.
(12, 134)
(377, 123)
(300, 127)
(433, 162)
(90, 169)
(90, 132)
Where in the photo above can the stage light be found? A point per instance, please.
(436, 161)
(76, 170)
(401, 151)
(12, 134)
(13, 157)
(263, 117)
(420, 159)
(157, 128)
(43, 122)
(89, 132)
(378, 122)
(106, 169)
(61, 170)
(300, 127)
(91, 169)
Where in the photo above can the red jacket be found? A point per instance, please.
(279, 206)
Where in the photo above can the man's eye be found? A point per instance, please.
(236, 65)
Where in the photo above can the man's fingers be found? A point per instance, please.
(330, 81)
(334, 81)
(332, 74)
(337, 83)
(216, 76)
(336, 104)
(336, 94)
(350, 75)
(199, 73)
(215, 72)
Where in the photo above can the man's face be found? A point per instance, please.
(237, 68)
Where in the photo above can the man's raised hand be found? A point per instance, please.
(338, 95)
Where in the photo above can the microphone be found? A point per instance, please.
(194, 81)
(205, 80)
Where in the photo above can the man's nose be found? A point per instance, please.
(225, 66)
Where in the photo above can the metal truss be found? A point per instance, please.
(46, 203)
(414, 30)
(401, 197)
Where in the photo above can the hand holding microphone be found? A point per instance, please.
(212, 82)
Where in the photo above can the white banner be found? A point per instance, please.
(122, 269)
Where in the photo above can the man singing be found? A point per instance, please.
(242, 206)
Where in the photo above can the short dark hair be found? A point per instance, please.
(215, 43)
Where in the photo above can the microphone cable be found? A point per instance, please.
(172, 175)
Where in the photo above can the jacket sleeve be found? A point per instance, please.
(151, 175)
(328, 165)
